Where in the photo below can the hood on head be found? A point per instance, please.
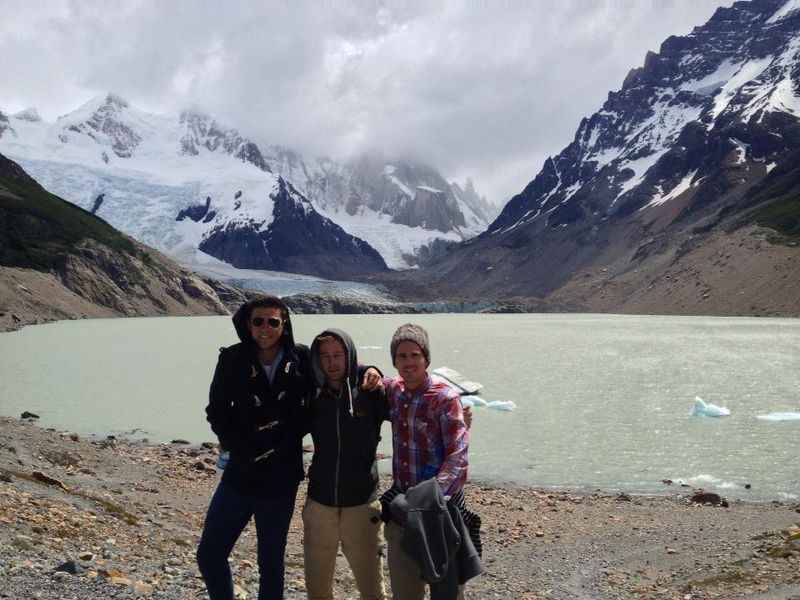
(241, 320)
(352, 358)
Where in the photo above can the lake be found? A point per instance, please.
(603, 401)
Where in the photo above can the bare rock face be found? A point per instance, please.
(5, 127)
(133, 285)
(298, 240)
(202, 131)
(430, 208)
(197, 212)
(106, 121)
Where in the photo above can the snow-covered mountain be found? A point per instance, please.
(140, 171)
(291, 237)
(725, 95)
(697, 140)
(400, 207)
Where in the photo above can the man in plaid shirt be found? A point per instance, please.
(430, 440)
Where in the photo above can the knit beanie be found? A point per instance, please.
(411, 333)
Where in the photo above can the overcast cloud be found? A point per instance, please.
(478, 88)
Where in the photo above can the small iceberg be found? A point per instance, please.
(780, 416)
(494, 404)
(701, 408)
(467, 389)
(501, 405)
(458, 381)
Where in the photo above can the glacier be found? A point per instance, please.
(149, 167)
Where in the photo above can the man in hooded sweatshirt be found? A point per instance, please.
(256, 410)
(342, 506)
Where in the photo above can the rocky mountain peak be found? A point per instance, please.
(5, 127)
(700, 143)
(106, 121)
(477, 203)
(115, 101)
(201, 131)
(400, 206)
(29, 114)
(105, 104)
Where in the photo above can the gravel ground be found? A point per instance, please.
(128, 515)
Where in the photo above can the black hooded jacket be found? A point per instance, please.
(346, 428)
(261, 424)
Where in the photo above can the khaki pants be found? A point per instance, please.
(358, 528)
(403, 571)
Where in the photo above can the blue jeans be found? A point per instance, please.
(228, 515)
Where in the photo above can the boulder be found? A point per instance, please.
(70, 567)
(703, 497)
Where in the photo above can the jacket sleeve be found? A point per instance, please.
(307, 389)
(381, 406)
(453, 473)
(219, 411)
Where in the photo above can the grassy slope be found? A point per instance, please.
(777, 201)
(783, 216)
(37, 229)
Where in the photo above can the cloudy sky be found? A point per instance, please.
(480, 88)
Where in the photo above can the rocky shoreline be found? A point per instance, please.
(101, 517)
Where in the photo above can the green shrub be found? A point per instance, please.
(38, 229)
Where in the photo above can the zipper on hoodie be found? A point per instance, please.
(338, 451)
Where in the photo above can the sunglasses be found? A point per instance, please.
(273, 322)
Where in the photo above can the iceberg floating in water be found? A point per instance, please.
(458, 381)
(780, 416)
(467, 389)
(493, 405)
(701, 408)
(501, 405)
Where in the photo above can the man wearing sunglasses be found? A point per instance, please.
(256, 410)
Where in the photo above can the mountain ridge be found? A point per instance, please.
(680, 156)
(149, 168)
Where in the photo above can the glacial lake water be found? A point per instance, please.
(603, 401)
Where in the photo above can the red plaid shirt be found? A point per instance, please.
(429, 436)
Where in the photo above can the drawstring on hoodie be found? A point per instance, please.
(349, 399)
